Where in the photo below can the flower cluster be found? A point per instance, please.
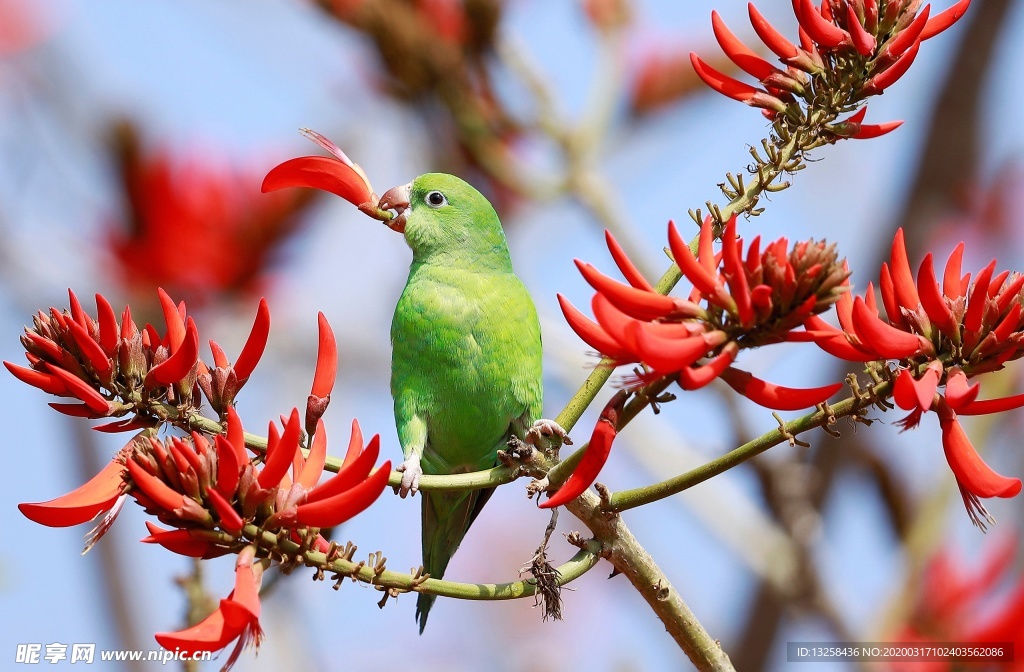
(739, 300)
(233, 232)
(114, 368)
(215, 497)
(197, 485)
(955, 605)
(853, 48)
(940, 334)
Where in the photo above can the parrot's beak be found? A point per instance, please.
(397, 199)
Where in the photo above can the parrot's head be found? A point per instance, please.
(443, 216)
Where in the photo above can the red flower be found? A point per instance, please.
(103, 494)
(223, 382)
(941, 334)
(595, 455)
(324, 374)
(232, 232)
(866, 45)
(193, 485)
(338, 175)
(237, 617)
(664, 75)
(957, 606)
(751, 299)
(113, 370)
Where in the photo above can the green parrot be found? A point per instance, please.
(466, 360)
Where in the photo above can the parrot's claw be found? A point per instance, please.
(547, 435)
(411, 472)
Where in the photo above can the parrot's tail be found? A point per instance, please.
(446, 519)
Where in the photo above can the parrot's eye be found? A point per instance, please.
(436, 199)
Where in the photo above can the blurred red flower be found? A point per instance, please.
(195, 225)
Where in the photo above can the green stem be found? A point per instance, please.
(365, 572)
(629, 499)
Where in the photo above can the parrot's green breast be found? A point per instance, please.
(466, 358)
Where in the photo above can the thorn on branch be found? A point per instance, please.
(606, 500)
(537, 486)
(661, 593)
(786, 434)
(419, 575)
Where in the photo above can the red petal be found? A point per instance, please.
(725, 85)
(592, 333)
(319, 172)
(892, 307)
(739, 53)
(76, 410)
(863, 41)
(255, 344)
(1009, 294)
(355, 445)
(951, 276)
(924, 388)
(236, 435)
(903, 391)
(626, 267)
(970, 470)
(909, 35)
(959, 393)
(772, 38)
(80, 505)
(175, 322)
(153, 488)
(179, 364)
(637, 303)
(228, 467)
(615, 323)
(888, 77)
(281, 457)
(834, 342)
(932, 301)
(694, 378)
(702, 277)
(326, 359)
(351, 473)
(91, 350)
(883, 338)
(229, 518)
(736, 274)
(77, 313)
(44, 381)
(903, 280)
(868, 131)
(944, 20)
(128, 328)
(978, 298)
(669, 355)
(1008, 324)
(593, 459)
(774, 396)
(314, 465)
(78, 387)
(823, 32)
(108, 324)
(331, 511)
(180, 541)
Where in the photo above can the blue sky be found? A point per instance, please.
(238, 81)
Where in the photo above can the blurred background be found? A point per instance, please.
(133, 139)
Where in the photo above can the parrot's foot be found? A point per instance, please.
(411, 472)
(547, 435)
